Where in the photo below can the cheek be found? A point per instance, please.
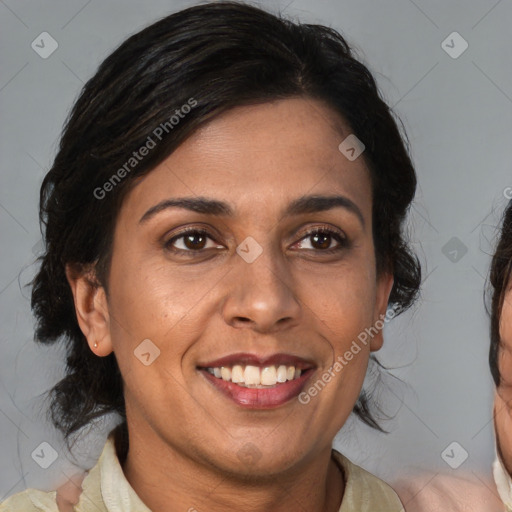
(155, 300)
(506, 319)
(343, 301)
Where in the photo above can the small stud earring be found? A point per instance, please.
(95, 344)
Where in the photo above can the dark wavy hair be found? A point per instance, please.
(500, 280)
(222, 54)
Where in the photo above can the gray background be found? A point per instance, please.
(458, 115)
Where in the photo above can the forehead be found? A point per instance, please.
(259, 157)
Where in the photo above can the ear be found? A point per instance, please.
(91, 309)
(384, 286)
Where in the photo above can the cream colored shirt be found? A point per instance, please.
(105, 489)
(503, 483)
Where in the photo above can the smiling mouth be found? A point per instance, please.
(250, 376)
(258, 382)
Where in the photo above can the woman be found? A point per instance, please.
(500, 358)
(472, 491)
(224, 238)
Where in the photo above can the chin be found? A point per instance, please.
(251, 459)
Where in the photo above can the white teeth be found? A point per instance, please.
(255, 376)
(237, 374)
(252, 375)
(281, 373)
(269, 376)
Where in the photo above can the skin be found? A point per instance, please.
(441, 492)
(503, 395)
(184, 434)
(68, 494)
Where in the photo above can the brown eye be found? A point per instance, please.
(192, 240)
(322, 240)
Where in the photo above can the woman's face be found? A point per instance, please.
(503, 396)
(505, 353)
(251, 289)
(506, 316)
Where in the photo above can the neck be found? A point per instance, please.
(167, 480)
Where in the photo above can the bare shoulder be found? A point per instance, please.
(442, 492)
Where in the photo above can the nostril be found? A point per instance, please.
(242, 319)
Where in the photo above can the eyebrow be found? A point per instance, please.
(301, 205)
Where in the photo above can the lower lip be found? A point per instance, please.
(260, 398)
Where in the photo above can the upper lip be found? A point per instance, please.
(244, 358)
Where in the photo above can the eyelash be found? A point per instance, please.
(343, 242)
(338, 236)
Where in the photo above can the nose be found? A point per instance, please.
(262, 295)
